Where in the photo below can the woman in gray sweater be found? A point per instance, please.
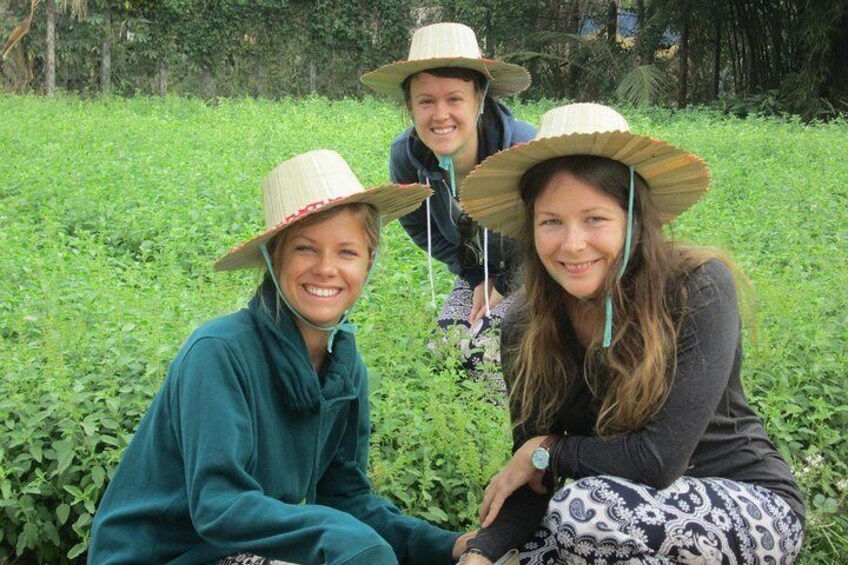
(622, 356)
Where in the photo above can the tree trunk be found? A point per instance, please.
(683, 92)
(716, 53)
(162, 77)
(50, 63)
(490, 34)
(106, 55)
(207, 83)
(612, 22)
(312, 76)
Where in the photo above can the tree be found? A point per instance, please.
(77, 9)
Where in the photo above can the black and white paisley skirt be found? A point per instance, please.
(601, 520)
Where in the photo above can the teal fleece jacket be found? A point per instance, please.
(246, 448)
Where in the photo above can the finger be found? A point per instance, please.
(484, 506)
(495, 508)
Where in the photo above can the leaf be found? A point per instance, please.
(62, 512)
(77, 550)
(64, 455)
(98, 475)
(35, 451)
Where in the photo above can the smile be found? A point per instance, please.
(443, 130)
(322, 292)
(578, 268)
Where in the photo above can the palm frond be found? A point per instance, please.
(642, 85)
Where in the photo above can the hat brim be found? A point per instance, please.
(505, 79)
(391, 200)
(490, 193)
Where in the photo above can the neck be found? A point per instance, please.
(586, 317)
(316, 343)
(466, 158)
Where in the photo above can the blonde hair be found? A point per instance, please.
(632, 377)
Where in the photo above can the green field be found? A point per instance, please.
(112, 212)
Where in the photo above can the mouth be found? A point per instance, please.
(443, 130)
(578, 268)
(321, 292)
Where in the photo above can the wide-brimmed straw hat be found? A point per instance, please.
(312, 182)
(447, 45)
(676, 178)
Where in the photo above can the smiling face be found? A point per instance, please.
(578, 233)
(444, 111)
(323, 266)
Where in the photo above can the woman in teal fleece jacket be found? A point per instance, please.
(257, 442)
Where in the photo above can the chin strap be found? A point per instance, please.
(343, 324)
(430, 251)
(624, 260)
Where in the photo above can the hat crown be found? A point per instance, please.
(310, 179)
(444, 40)
(580, 118)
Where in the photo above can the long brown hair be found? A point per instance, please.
(631, 378)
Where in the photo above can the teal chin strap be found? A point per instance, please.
(625, 258)
(342, 326)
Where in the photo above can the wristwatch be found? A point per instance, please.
(541, 457)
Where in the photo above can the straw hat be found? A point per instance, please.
(676, 178)
(311, 182)
(447, 45)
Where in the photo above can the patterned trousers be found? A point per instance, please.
(602, 520)
(480, 345)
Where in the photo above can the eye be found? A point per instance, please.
(550, 222)
(425, 101)
(303, 248)
(456, 99)
(349, 252)
(596, 219)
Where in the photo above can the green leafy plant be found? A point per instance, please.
(112, 212)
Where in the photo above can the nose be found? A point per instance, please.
(326, 265)
(573, 239)
(440, 112)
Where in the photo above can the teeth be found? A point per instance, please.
(323, 292)
(577, 267)
(442, 131)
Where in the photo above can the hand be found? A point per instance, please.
(517, 473)
(478, 302)
(476, 559)
(461, 542)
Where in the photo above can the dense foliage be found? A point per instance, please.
(745, 55)
(112, 211)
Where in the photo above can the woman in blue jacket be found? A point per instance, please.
(257, 442)
(449, 90)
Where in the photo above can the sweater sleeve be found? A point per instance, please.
(660, 452)
(210, 414)
(345, 486)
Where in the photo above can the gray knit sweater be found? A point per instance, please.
(706, 427)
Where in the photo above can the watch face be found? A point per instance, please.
(541, 458)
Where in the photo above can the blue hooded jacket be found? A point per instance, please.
(246, 449)
(412, 161)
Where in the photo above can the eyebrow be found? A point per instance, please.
(350, 243)
(451, 93)
(583, 211)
